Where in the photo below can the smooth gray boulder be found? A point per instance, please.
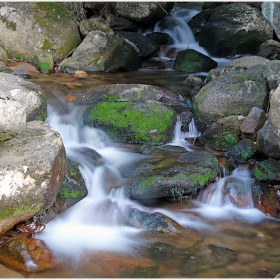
(32, 168)
(31, 96)
(271, 11)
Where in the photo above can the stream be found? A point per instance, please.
(220, 240)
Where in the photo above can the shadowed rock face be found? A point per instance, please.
(32, 168)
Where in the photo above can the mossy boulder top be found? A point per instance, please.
(133, 122)
(170, 174)
(37, 27)
(133, 113)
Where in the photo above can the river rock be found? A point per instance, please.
(192, 61)
(12, 118)
(223, 134)
(242, 151)
(235, 28)
(233, 93)
(254, 121)
(102, 52)
(145, 47)
(160, 38)
(271, 74)
(274, 111)
(94, 23)
(31, 96)
(133, 122)
(142, 12)
(71, 191)
(271, 11)
(170, 174)
(266, 170)
(268, 141)
(52, 27)
(27, 254)
(270, 49)
(32, 168)
(127, 93)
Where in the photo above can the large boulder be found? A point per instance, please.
(233, 93)
(142, 12)
(37, 27)
(232, 29)
(271, 11)
(29, 95)
(101, 52)
(32, 168)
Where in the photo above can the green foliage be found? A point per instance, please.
(70, 194)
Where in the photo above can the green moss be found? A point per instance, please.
(19, 56)
(5, 137)
(42, 117)
(245, 154)
(18, 209)
(70, 194)
(257, 173)
(9, 24)
(138, 121)
(50, 10)
(234, 88)
(111, 98)
(145, 185)
(202, 179)
(44, 67)
(46, 45)
(230, 139)
(179, 178)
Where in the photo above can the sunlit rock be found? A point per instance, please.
(31, 96)
(271, 11)
(32, 168)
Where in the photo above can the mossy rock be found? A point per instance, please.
(242, 151)
(170, 174)
(223, 135)
(133, 122)
(267, 170)
(192, 61)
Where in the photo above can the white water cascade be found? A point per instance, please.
(94, 223)
(181, 34)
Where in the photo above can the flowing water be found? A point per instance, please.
(224, 235)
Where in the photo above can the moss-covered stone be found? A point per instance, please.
(192, 61)
(267, 170)
(133, 122)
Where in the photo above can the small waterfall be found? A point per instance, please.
(179, 136)
(94, 223)
(176, 25)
